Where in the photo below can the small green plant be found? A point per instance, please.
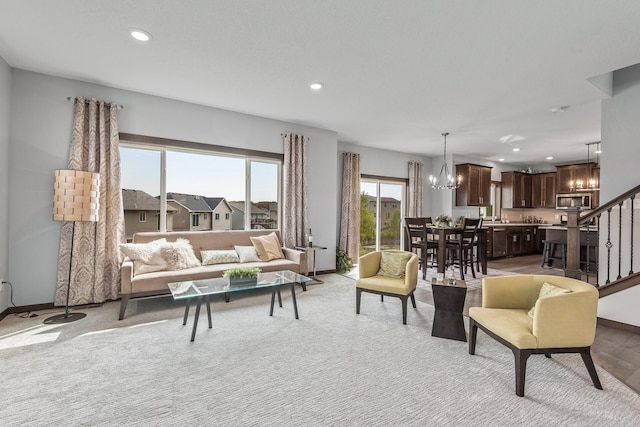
(242, 272)
(343, 260)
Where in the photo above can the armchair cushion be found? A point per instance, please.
(393, 264)
(547, 290)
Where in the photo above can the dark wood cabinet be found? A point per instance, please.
(543, 190)
(475, 186)
(516, 190)
(515, 240)
(569, 176)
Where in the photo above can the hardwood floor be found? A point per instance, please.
(614, 350)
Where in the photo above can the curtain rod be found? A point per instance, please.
(73, 98)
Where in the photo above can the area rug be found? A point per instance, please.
(330, 367)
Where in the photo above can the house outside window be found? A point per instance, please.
(195, 220)
(206, 216)
(142, 216)
(226, 216)
(218, 216)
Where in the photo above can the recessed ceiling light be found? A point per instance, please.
(559, 109)
(550, 158)
(316, 86)
(516, 149)
(598, 151)
(140, 35)
(501, 160)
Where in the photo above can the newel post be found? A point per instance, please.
(573, 244)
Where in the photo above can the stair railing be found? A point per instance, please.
(605, 234)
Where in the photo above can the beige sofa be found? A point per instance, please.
(155, 283)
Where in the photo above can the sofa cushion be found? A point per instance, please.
(393, 264)
(179, 255)
(267, 247)
(547, 290)
(247, 254)
(146, 257)
(217, 256)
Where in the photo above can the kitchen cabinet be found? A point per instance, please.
(514, 240)
(516, 190)
(543, 190)
(475, 185)
(568, 174)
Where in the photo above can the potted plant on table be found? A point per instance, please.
(242, 275)
(443, 220)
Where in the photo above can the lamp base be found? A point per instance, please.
(63, 318)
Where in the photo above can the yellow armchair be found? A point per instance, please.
(564, 323)
(403, 288)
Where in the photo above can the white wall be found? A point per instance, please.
(619, 171)
(40, 134)
(5, 93)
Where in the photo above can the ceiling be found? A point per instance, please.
(397, 73)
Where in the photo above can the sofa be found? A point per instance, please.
(136, 284)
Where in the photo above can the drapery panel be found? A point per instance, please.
(414, 205)
(294, 208)
(350, 219)
(95, 273)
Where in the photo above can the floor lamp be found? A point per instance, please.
(75, 198)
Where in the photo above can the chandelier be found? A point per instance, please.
(591, 184)
(446, 180)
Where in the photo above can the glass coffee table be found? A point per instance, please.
(203, 289)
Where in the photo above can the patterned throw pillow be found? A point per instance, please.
(267, 247)
(547, 290)
(393, 264)
(179, 255)
(146, 257)
(219, 257)
(247, 254)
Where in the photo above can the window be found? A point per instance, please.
(142, 216)
(176, 178)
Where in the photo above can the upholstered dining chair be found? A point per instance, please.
(537, 314)
(393, 273)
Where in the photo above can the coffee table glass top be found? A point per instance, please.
(196, 288)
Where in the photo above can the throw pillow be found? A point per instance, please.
(219, 257)
(146, 257)
(393, 264)
(179, 255)
(547, 290)
(267, 247)
(247, 254)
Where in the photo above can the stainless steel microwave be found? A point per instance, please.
(566, 201)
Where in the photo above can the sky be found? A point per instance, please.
(199, 174)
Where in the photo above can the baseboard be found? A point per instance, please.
(32, 307)
(619, 325)
(4, 314)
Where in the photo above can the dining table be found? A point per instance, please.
(443, 232)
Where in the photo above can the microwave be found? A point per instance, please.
(566, 201)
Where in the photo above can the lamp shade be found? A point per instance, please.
(75, 196)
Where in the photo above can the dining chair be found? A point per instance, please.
(418, 239)
(461, 247)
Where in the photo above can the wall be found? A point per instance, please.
(5, 95)
(41, 120)
(619, 171)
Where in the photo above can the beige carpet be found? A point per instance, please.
(331, 367)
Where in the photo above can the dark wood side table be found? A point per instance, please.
(449, 303)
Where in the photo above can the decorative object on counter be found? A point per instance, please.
(242, 275)
(442, 220)
(446, 180)
(451, 276)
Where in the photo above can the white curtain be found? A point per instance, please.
(414, 205)
(294, 210)
(95, 273)
(350, 219)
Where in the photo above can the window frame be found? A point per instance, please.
(142, 216)
(163, 145)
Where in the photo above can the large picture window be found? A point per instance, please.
(188, 189)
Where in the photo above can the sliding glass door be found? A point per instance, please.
(381, 207)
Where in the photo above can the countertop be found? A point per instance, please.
(512, 224)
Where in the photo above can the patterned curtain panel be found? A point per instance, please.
(95, 273)
(414, 207)
(350, 220)
(294, 208)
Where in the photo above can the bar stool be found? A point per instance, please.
(549, 252)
